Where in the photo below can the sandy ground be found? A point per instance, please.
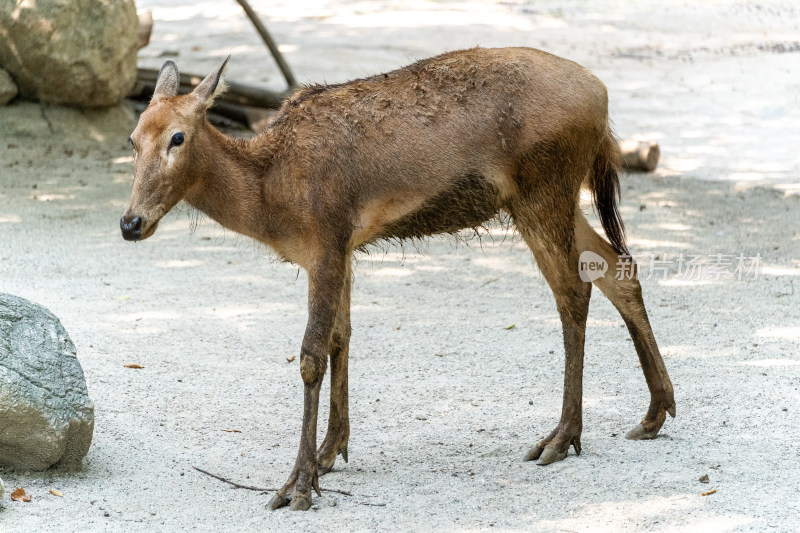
(445, 400)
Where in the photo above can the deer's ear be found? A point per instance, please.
(211, 87)
(168, 81)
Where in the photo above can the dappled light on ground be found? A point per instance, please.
(613, 516)
(780, 332)
(772, 363)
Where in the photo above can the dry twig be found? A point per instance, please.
(267, 38)
(262, 489)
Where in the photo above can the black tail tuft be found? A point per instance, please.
(605, 192)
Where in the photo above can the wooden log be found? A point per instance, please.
(639, 156)
(237, 93)
(245, 104)
(228, 115)
(145, 28)
(255, 118)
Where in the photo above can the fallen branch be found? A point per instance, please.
(267, 38)
(229, 482)
(261, 489)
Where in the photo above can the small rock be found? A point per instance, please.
(8, 89)
(46, 416)
(704, 478)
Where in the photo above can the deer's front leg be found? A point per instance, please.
(325, 282)
(338, 435)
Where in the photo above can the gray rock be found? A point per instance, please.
(46, 416)
(78, 52)
(83, 128)
(8, 89)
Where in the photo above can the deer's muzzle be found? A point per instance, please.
(131, 227)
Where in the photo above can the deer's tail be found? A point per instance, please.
(604, 184)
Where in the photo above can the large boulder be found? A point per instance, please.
(46, 416)
(8, 89)
(77, 52)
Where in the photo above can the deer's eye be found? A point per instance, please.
(177, 139)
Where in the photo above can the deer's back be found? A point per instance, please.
(432, 147)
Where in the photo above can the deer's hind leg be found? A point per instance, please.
(621, 286)
(549, 232)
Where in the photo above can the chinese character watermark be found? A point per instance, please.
(714, 267)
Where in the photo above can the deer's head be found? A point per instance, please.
(166, 144)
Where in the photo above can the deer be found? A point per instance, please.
(443, 144)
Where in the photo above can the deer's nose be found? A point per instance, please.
(131, 227)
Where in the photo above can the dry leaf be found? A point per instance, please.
(134, 365)
(712, 491)
(398, 327)
(232, 430)
(512, 326)
(20, 496)
(290, 359)
(55, 492)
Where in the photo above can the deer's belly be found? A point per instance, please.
(467, 203)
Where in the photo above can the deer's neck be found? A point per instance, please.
(232, 182)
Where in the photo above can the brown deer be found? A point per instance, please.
(443, 144)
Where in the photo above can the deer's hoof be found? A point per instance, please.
(325, 464)
(301, 502)
(534, 453)
(552, 449)
(640, 433)
(326, 456)
(277, 502)
(551, 455)
(545, 456)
